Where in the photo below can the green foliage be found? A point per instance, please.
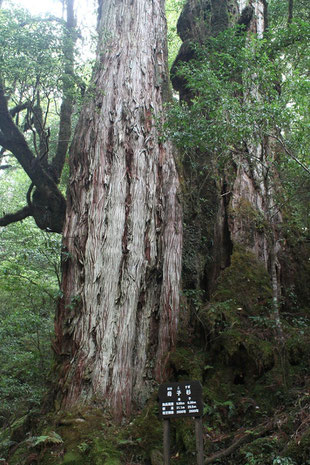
(38, 73)
(235, 353)
(51, 438)
(173, 10)
(260, 451)
(228, 68)
(29, 280)
(187, 363)
(32, 64)
(104, 452)
(34, 43)
(146, 430)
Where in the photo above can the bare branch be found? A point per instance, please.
(48, 19)
(15, 217)
(289, 153)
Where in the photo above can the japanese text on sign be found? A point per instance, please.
(180, 399)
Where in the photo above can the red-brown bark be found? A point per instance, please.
(123, 235)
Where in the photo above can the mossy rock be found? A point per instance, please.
(245, 283)
(187, 363)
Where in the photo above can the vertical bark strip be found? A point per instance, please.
(123, 236)
(255, 186)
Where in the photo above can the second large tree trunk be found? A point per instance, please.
(117, 320)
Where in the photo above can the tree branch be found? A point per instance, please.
(243, 439)
(39, 125)
(14, 217)
(289, 153)
(48, 205)
(19, 108)
(12, 139)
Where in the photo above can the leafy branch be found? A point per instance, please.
(46, 203)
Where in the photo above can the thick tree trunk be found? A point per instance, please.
(118, 317)
(245, 209)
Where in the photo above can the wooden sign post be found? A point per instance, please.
(166, 441)
(182, 399)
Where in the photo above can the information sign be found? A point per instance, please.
(180, 399)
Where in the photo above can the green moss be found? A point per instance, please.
(261, 351)
(103, 452)
(187, 363)
(19, 429)
(218, 386)
(298, 345)
(237, 317)
(146, 430)
(5, 442)
(73, 458)
(245, 283)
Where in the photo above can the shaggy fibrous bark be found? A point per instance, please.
(117, 321)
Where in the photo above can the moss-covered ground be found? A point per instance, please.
(256, 391)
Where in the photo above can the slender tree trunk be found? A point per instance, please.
(66, 108)
(290, 11)
(117, 320)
